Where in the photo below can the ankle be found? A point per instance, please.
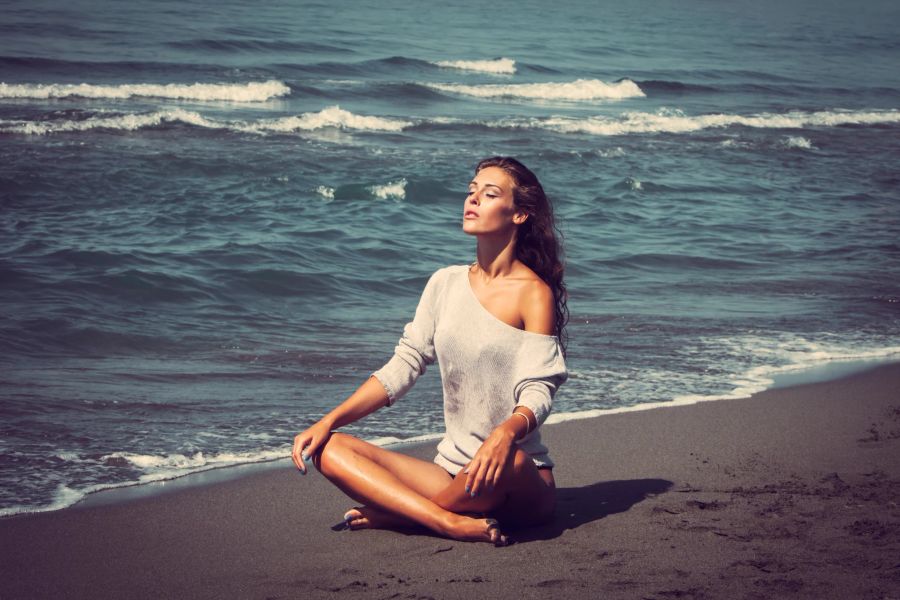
(451, 524)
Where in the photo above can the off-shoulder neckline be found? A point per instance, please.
(464, 272)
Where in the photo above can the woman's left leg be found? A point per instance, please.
(525, 495)
(397, 484)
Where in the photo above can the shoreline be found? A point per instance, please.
(822, 373)
(790, 493)
(819, 373)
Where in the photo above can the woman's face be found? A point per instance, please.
(489, 206)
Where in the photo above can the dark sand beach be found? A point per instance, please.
(792, 493)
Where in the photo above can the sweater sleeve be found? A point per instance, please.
(415, 350)
(541, 370)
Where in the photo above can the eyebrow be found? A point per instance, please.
(471, 183)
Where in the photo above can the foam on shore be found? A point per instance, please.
(163, 469)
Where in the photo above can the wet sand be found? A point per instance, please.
(792, 493)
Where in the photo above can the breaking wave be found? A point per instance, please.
(393, 189)
(676, 122)
(333, 116)
(500, 66)
(580, 89)
(253, 91)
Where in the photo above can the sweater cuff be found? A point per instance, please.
(536, 396)
(391, 394)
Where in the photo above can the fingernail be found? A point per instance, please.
(348, 517)
(305, 457)
(472, 494)
(467, 489)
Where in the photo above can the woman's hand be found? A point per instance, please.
(491, 460)
(307, 443)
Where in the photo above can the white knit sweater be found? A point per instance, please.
(487, 367)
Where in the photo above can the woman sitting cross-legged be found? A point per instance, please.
(495, 328)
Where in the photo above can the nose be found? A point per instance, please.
(473, 199)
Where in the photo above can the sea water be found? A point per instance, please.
(215, 217)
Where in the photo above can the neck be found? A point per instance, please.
(496, 256)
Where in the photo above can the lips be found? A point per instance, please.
(470, 214)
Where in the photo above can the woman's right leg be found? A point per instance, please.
(397, 484)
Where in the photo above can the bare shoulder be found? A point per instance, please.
(537, 305)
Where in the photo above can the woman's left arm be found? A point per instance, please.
(496, 452)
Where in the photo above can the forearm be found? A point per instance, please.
(519, 424)
(368, 398)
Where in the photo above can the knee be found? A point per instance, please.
(332, 452)
(522, 462)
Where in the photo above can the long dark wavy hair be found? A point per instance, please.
(538, 238)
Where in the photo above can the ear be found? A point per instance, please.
(520, 217)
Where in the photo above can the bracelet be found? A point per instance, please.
(530, 428)
(527, 422)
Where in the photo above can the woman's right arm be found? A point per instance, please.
(414, 351)
(368, 398)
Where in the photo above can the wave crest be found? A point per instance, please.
(677, 122)
(499, 66)
(393, 189)
(332, 116)
(254, 91)
(580, 89)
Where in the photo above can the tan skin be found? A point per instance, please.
(501, 480)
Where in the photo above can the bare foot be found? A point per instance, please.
(468, 529)
(462, 528)
(369, 517)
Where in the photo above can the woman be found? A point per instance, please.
(495, 327)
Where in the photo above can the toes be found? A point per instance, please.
(497, 537)
(356, 519)
(352, 514)
(353, 519)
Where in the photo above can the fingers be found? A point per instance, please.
(302, 450)
(484, 471)
(495, 478)
(295, 453)
(492, 476)
(476, 475)
(483, 475)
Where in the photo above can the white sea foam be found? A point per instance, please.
(331, 117)
(394, 189)
(325, 192)
(610, 152)
(733, 143)
(155, 468)
(769, 356)
(127, 122)
(633, 184)
(775, 356)
(254, 91)
(797, 142)
(64, 496)
(500, 66)
(580, 89)
(668, 121)
(68, 456)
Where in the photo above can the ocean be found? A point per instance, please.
(215, 217)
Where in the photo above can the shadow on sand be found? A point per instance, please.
(576, 506)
